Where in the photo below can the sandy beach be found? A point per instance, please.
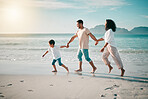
(73, 86)
(24, 74)
(73, 49)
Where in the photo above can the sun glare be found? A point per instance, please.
(13, 13)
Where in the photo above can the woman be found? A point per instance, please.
(110, 47)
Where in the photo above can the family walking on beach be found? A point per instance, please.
(83, 34)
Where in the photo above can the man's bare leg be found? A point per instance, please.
(55, 70)
(93, 66)
(65, 68)
(110, 68)
(80, 67)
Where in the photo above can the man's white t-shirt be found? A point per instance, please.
(109, 38)
(83, 36)
(55, 52)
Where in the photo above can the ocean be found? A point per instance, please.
(21, 54)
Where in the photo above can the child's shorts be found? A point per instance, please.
(59, 61)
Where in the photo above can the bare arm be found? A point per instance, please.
(103, 47)
(92, 36)
(45, 53)
(101, 39)
(73, 37)
(63, 46)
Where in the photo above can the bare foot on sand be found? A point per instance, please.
(67, 69)
(122, 72)
(54, 71)
(94, 69)
(79, 70)
(110, 69)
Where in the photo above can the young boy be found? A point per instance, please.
(56, 55)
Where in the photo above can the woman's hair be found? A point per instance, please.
(110, 24)
(52, 42)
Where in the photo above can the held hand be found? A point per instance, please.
(96, 42)
(102, 49)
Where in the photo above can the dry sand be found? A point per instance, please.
(81, 86)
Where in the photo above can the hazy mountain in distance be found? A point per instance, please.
(140, 29)
(122, 30)
(98, 29)
(101, 29)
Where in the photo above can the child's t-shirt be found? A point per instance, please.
(109, 38)
(55, 52)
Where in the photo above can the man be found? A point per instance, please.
(83, 35)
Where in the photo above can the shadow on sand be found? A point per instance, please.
(113, 76)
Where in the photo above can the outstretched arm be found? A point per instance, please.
(45, 53)
(92, 36)
(101, 39)
(63, 46)
(73, 37)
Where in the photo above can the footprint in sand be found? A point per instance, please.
(115, 94)
(1, 95)
(112, 87)
(9, 85)
(22, 81)
(51, 84)
(102, 95)
(30, 90)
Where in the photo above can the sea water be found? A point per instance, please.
(22, 53)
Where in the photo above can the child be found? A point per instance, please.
(56, 55)
(110, 46)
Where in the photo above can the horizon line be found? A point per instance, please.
(61, 32)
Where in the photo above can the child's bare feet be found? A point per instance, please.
(79, 70)
(110, 69)
(94, 69)
(67, 69)
(54, 71)
(122, 72)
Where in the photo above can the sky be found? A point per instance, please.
(60, 16)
